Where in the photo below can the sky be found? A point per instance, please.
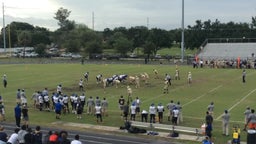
(164, 14)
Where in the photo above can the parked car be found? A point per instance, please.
(76, 56)
(158, 56)
(133, 55)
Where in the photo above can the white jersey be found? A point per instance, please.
(160, 108)
(59, 89)
(82, 98)
(133, 109)
(65, 99)
(46, 98)
(81, 83)
(97, 109)
(152, 110)
(175, 112)
(55, 99)
(40, 99)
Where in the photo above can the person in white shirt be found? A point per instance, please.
(152, 113)
(133, 111)
(59, 89)
(98, 112)
(14, 137)
(23, 97)
(82, 99)
(81, 85)
(76, 140)
(175, 115)
(189, 78)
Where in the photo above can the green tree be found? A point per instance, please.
(122, 45)
(94, 47)
(62, 16)
(40, 49)
(24, 39)
(148, 48)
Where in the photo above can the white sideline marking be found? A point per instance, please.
(239, 102)
(212, 90)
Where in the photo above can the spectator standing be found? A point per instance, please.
(38, 135)
(21, 134)
(225, 123)
(251, 120)
(63, 138)
(3, 135)
(14, 137)
(76, 140)
(152, 113)
(29, 137)
(246, 114)
(17, 111)
(53, 138)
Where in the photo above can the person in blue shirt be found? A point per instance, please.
(58, 108)
(17, 111)
(206, 140)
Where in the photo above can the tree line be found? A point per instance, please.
(78, 38)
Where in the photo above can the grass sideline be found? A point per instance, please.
(222, 86)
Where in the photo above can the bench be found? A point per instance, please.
(191, 130)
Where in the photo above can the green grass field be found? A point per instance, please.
(224, 87)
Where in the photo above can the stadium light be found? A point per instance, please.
(182, 33)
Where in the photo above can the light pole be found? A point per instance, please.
(182, 33)
(4, 30)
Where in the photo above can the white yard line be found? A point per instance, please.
(212, 90)
(238, 102)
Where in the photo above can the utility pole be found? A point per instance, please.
(182, 33)
(4, 30)
(92, 20)
(148, 22)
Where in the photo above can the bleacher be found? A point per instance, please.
(228, 50)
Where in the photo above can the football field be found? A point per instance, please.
(224, 87)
